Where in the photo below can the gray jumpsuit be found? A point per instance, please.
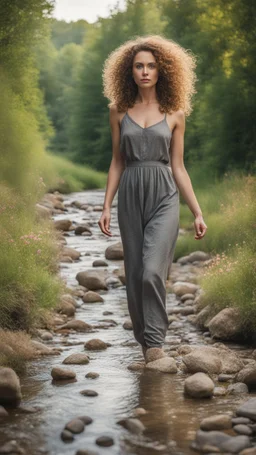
(148, 217)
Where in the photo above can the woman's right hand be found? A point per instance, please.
(104, 222)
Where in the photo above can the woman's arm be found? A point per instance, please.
(181, 176)
(116, 168)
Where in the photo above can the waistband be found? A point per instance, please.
(132, 163)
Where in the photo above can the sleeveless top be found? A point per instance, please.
(143, 144)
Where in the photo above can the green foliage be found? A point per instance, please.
(64, 33)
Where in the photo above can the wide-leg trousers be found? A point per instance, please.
(148, 217)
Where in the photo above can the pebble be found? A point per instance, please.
(104, 441)
(133, 425)
(67, 436)
(60, 374)
(75, 426)
(242, 429)
(216, 422)
(95, 345)
(92, 375)
(89, 393)
(76, 359)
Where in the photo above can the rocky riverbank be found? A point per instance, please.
(200, 397)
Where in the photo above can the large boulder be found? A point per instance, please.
(226, 325)
(196, 359)
(10, 391)
(206, 362)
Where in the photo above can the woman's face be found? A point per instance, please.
(145, 69)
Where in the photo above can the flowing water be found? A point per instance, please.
(171, 420)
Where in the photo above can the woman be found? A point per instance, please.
(144, 79)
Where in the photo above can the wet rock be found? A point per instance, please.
(185, 297)
(237, 388)
(76, 359)
(248, 376)
(71, 252)
(66, 308)
(3, 413)
(242, 429)
(219, 391)
(216, 422)
(67, 436)
(68, 298)
(240, 420)
(11, 448)
(127, 325)
(92, 375)
(136, 366)
(250, 451)
(247, 409)
(62, 374)
(91, 280)
(230, 362)
(201, 361)
(79, 230)
(199, 385)
(46, 336)
(133, 425)
(75, 426)
(164, 365)
(99, 263)
(87, 452)
(104, 441)
(187, 310)
(91, 297)
(235, 444)
(226, 325)
(203, 317)
(62, 225)
(139, 412)
(42, 349)
(225, 377)
(115, 251)
(10, 391)
(184, 287)
(76, 324)
(95, 345)
(66, 259)
(89, 393)
(213, 438)
(107, 313)
(86, 419)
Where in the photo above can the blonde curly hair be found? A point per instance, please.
(176, 81)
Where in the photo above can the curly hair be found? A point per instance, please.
(176, 77)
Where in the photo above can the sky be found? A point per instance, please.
(73, 10)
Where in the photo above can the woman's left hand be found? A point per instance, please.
(200, 227)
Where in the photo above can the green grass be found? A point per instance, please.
(29, 283)
(228, 208)
(61, 174)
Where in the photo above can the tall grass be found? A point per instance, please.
(229, 210)
(61, 174)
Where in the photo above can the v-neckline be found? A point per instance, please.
(147, 127)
